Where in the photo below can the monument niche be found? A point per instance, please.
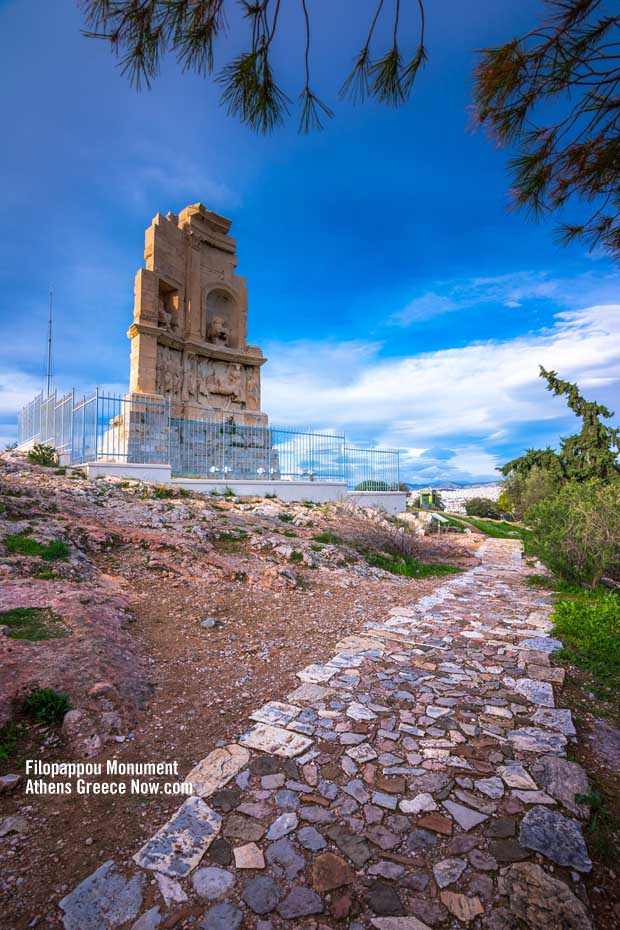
(194, 381)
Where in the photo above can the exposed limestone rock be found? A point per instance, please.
(541, 900)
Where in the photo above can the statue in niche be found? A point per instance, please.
(164, 316)
(190, 379)
(167, 316)
(218, 331)
(252, 387)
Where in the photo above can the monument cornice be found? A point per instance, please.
(248, 356)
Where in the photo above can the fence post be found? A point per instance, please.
(97, 423)
(169, 421)
(83, 428)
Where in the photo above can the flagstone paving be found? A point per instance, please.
(418, 779)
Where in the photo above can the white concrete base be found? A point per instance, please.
(389, 501)
(319, 492)
(160, 474)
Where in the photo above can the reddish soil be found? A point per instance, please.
(142, 575)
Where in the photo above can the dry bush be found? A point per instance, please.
(374, 532)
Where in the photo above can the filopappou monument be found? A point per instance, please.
(189, 332)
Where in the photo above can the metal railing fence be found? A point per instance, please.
(103, 427)
(47, 420)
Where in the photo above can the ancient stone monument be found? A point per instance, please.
(189, 334)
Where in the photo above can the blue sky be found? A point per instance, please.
(395, 295)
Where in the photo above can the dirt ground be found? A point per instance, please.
(152, 683)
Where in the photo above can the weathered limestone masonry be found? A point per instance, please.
(417, 779)
(189, 334)
(190, 359)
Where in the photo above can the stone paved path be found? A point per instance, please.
(417, 779)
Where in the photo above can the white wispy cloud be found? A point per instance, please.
(507, 290)
(470, 400)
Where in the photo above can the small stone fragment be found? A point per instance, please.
(212, 882)
(448, 871)
(383, 898)
(261, 894)
(330, 871)
(284, 824)
(311, 839)
(462, 907)
(466, 818)
(301, 901)
(249, 857)
(421, 802)
(223, 916)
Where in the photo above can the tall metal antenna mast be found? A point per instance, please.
(49, 349)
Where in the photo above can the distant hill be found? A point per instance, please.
(451, 485)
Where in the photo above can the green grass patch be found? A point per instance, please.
(47, 705)
(410, 568)
(9, 736)
(54, 551)
(46, 574)
(498, 529)
(286, 517)
(327, 537)
(161, 493)
(296, 556)
(33, 623)
(289, 533)
(542, 581)
(588, 623)
(602, 827)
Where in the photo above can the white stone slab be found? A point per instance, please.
(276, 713)
(362, 753)
(309, 692)
(358, 711)
(179, 846)
(516, 776)
(274, 740)
(317, 673)
(217, 769)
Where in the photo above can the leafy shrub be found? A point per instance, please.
(42, 454)
(54, 551)
(482, 507)
(47, 705)
(522, 490)
(296, 556)
(372, 486)
(286, 517)
(10, 446)
(576, 533)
